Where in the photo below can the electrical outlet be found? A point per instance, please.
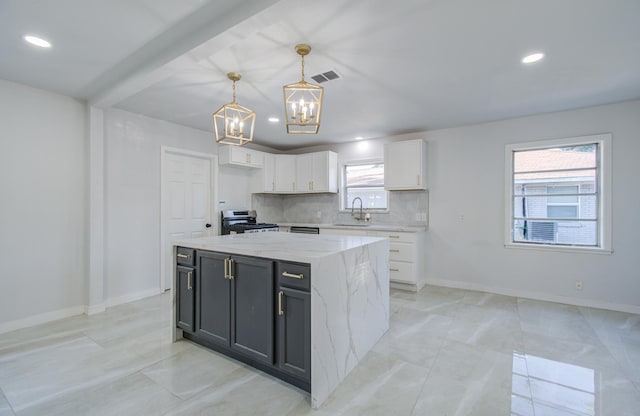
(423, 216)
(417, 216)
(578, 284)
(319, 214)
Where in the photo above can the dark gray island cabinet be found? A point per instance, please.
(253, 309)
(303, 308)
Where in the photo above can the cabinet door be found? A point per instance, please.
(268, 183)
(213, 298)
(325, 172)
(304, 172)
(285, 173)
(405, 165)
(185, 298)
(294, 332)
(252, 308)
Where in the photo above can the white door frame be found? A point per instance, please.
(213, 160)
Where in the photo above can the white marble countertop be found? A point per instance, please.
(361, 226)
(303, 248)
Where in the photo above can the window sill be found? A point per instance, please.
(559, 249)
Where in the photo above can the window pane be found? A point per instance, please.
(562, 211)
(580, 233)
(569, 157)
(555, 194)
(370, 174)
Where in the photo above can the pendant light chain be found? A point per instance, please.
(302, 56)
(234, 91)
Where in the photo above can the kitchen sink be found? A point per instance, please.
(351, 225)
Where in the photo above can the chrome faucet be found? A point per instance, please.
(359, 217)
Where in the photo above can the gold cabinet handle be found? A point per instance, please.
(394, 270)
(231, 276)
(280, 311)
(394, 236)
(295, 276)
(393, 250)
(184, 256)
(189, 287)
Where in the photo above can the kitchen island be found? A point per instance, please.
(347, 280)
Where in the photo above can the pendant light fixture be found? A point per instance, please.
(302, 102)
(233, 123)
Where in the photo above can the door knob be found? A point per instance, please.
(208, 225)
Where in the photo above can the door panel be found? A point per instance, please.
(294, 333)
(252, 308)
(212, 319)
(185, 307)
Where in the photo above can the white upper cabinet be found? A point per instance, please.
(317, 172)
(240, 156)
(285, 174)
(405, 165)
(267, 179)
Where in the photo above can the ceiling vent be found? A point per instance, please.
(325, 76)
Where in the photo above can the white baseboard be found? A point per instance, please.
(41, 318)
(94, 309)
(130, 297)
(75, 310)
(591, 303)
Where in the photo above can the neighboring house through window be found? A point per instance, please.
(558, 193)
(366, 181)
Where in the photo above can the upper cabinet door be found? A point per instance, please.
(285, 168)
(317, 172)
(405, 165)
(304, 172)
(239, 156)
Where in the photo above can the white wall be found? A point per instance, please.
(132, 198)
(466, 176)
(42, 213)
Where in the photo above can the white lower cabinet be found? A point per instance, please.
(406, 254)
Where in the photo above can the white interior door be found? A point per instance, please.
(186, 203)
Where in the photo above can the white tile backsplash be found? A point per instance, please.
(405, 208)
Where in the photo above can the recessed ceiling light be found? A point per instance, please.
(34, 40)
(273, 119)
(359, 138)
(534, 57)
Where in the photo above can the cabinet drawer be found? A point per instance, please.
(294, 275)
(402, 251)
(398, 236)
(186, 256)
(402, 272)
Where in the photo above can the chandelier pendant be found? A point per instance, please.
(302, 101)
(233, 123)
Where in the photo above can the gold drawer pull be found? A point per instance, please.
(394, 236)
(394, 270)
(295, 276)
(184, 256)
(280, 311)
(189, 287)
(394, 251)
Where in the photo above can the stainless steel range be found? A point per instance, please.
(240, 222)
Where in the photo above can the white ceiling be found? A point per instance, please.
(406, 66)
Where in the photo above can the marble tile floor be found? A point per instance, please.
(448, 352)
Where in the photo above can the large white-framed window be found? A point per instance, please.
(364, 180)
(558, 194)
